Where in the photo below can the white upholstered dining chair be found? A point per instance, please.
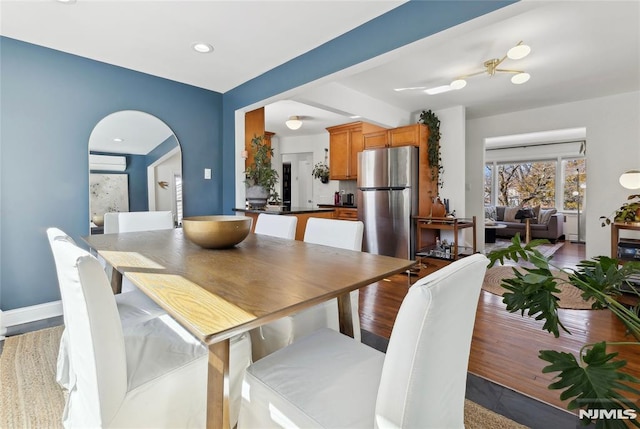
(134, 307)
(344, 234)
(329, 380)
(147, 374)
(144, 221)
(276, 225)
(120, 222)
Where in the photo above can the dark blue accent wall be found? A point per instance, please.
(50, 103)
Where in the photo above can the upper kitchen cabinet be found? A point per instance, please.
(410, 135)
(345, 141)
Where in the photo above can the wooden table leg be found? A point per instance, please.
(344, 314)
(116, 281)
(218, 386)
(527, 230)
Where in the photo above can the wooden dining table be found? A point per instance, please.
(217, 294)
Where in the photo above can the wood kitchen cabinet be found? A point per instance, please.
(410, 135)
(345, 141)
(375, 140)
(345, 213)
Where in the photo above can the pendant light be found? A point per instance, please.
(293, 123)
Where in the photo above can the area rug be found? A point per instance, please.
(569, 295)
(546, 249)
(31, 398)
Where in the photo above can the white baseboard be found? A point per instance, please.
(32, 313)
(3, 330)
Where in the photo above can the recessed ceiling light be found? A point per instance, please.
(66, 1)
(203, 48)
(438, 89)
(118, 140)
(355, 117)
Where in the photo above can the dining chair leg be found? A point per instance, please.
(218, 386)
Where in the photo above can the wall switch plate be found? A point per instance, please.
(207, 173)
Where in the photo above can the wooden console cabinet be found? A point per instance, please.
(615, 237)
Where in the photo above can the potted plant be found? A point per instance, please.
(260, 178)
(432, 122)
(594, 380)
(628, 212)
(321, 171)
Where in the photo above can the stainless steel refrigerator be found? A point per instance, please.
(387, 200)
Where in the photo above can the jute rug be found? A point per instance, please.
(569, 295)
(31, 398)
(546, 249)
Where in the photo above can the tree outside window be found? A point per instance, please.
(534, 183)
(527, 184)
(575, 177)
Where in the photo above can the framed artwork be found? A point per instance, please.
(108, 193)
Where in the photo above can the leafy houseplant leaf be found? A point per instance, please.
(594, 385)
(534, 293)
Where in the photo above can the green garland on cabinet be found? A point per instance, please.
(430, 119)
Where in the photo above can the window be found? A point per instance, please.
(177, 180)
(573, 187)
(527, 184)
(488, 180)
(533, 183)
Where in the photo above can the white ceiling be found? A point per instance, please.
(580, 50)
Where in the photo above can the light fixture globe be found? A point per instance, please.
(520, 78)
(630, 179)
(518, 52)
(293, 123)
(458, 84)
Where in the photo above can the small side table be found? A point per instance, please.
(527, 215)
(490, 232)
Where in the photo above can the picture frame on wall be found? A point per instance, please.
(108, 193)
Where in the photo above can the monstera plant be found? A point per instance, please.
(594, 380)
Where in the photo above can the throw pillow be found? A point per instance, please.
(536, 214)
(524, 214)
(545, 215)
(510, 214)
(490, 212)
(499, 212)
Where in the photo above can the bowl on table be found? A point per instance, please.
(216, 232)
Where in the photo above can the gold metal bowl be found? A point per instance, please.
(216, 232)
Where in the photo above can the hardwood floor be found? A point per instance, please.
(505, 346)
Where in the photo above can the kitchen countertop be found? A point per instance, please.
(341, 206)
(285, 211)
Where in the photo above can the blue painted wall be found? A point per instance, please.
(51, 102)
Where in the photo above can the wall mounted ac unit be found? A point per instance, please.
(107, 163)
